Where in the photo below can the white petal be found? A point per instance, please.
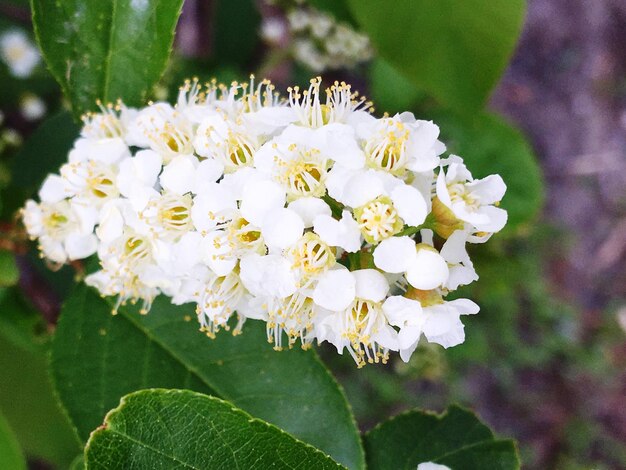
(111, 223)
(489, 190)
(107, 150)
(442, 189)
(408, 338)
(395, 254)
(237, 181)
(370, 285)
(496, 219)
(428, 270)
(362, 188)
(410, 204)
(402, 311)
(336, 181)
(464, 306)
(53, 189)
(179, 175)
(308, 208)
(344, 233)
(335, 290)
(80, 246)
(269, 275)
(259, 198)
(208, 171)
(214, 205)
(282, 228)
(453, 249)
(339, 143)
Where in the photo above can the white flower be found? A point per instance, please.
(400, 143)
(32, 107)
(163, 129)
(437, 319)
(64, 230)
(273, 30)
(382, 203)
(218, 300)
(19, 53)
(470, 200)
(232, 144)
(424, 267)
(352, 317)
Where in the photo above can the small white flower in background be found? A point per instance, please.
(32, 107)
(308, 214)
(320, 42)
(19, 53)
(273, 30)
(432, 466)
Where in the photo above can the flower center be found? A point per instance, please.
(304, 175)
(459, 193)
(312, 255)
(378, 219)
(16, 52)
(388, 150)
(57, 223)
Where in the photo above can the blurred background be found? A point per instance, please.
(544, 362)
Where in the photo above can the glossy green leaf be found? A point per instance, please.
(97, 358)
(184, 429)
(9, 274)
(105, 49)
(11, 456)
(490, 145)
(456, 439)
(454, 50)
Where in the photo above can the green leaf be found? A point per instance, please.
(106, 49)
(454, 50)
(11, 456)
(456, 439)
(20, 323)
(45, 151)
(391, 92)
(97, 358)
(490, 145)
(232, 17)
(28, 403)
(9, 274)
(184, 429)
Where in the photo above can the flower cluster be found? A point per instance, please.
(318, 40)
(307, 213)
